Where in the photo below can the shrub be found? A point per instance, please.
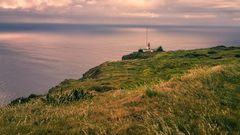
(74, 95)
(237, 56)
(140, 50)
(102, 88)
(23, 100)
(160, 49)
(151, 93)
(212, 52)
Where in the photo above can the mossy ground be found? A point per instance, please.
(179, 92)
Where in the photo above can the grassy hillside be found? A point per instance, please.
(178, 92)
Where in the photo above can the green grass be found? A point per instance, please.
(178, 92)
(130, 74)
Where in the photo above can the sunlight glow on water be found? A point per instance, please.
(32, 60)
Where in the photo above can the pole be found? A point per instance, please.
(146, 35)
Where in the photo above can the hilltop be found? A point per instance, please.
(175, 92)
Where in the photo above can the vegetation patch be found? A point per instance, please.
(212, 52)
(92, 73)
(102, 88)
(151, 93)
(137, 55)
(222, 47)
(23, 100)
(66, 98)
(195, 55)
(217, 58)
(237, 55)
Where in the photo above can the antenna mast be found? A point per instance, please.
(146, 35)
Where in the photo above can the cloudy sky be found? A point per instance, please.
(183, 12)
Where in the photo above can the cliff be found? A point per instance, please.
(176, 92)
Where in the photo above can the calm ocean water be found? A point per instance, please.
(36, 57)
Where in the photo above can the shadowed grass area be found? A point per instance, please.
(181, 92)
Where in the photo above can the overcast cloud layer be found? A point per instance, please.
(182, 12)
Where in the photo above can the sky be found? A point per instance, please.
(167, 12)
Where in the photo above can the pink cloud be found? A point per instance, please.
(35, 4)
